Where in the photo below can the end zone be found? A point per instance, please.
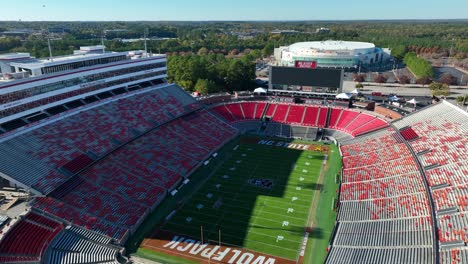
(207, 252)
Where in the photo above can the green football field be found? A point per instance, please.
(260, 199)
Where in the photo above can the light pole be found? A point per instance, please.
(450, 51)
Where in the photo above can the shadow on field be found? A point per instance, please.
(293, 229)
(316, 232)
(313, 186)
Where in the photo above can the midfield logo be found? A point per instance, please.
(262, 183)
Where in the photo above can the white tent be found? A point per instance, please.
(260, 90)
(413, 101)
(344, 96)
(356, 91)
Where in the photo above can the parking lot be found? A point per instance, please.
(461, 77)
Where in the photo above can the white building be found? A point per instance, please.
(330, 53)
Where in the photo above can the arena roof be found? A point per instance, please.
(332, 45)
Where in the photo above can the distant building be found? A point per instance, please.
(336, 54)
(284, 31)
(18, 32)
(322, 30)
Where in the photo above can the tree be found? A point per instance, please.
(380, 78)
(448, 79)
(439, 89)
(419, 66)
(268, 50)
(205, 86)
(202, 51)
(404, 79)
(359, 77)
(256, 54)
(399, 52)
(359, 85)
(462, 99)
(187, 85)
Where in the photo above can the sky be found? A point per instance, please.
(203, 10)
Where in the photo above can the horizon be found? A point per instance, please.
(265, 20)
(242, 10)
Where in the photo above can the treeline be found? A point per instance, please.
(212, 73)
(419, 66)
(421, 36)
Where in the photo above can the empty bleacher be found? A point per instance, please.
(349, 121)
(440, 135)
(76, 245)
(33, 156)
(378, 166)
(383, 208)
(458, 255)
(372, 255)
(385, 234)
(137, 175)
(28, 239)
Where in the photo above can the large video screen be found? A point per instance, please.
(327, 78)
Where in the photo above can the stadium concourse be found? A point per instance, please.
(402, 199)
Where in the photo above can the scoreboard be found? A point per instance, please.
(306, 79)
(305, 64)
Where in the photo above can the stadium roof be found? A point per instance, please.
(332, 45)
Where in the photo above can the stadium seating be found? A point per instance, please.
(404, 206)
(383, 208)
(440, 137)
(352, 255)
(236, 111)
(352, 122)
(76, 245)
(454, 255)
(322, 117)
(280, 113)
(386, 233)
(295, 114)
(92, 130)
(311, 116)
(335, 115)
(379, 165)
(28, 239)
(223, 111)
(360, 120)
(381, 188)
(248, 109)
(346, 118)
(137, 175)
(408, 133)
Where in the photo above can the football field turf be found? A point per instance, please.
(259, 199)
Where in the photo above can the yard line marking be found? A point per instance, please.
(228, 203)
(215, 214)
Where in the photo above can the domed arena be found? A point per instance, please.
(331, 53)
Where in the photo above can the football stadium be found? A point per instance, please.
(103, 161)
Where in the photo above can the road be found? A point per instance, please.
(403, 91)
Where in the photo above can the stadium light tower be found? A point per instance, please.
(145, 36)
